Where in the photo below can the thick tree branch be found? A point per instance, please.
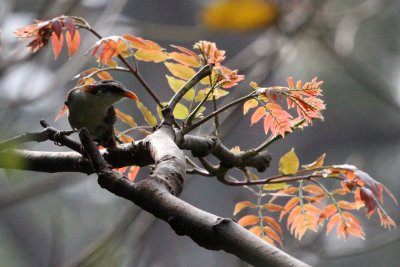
(157, 195)
(202, 146)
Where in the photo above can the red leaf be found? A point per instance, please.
(257, 115)
(56, 25)
(289, 205)
(369, 200)
(57, 44)
(69, 24)
(73, 44)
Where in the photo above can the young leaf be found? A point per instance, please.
(289, 163)
(148, 116)
(126, 118)
(289, 205)
(133, 171)
(180, 112)
(248, 220)
(316, 164)
(242, 205)
(273, 207)
(104, 75)
(275, 186)
(249, 104)
(57, 44)
(72, 43)
(185, 59)
(257, 115)
(273, 235)
(313, 189)
(271, 221)
(151, 55)
(181, 71)
(328, 212)
(257, 230)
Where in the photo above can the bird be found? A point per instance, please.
(91, 106)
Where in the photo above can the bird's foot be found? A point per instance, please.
(59, 134)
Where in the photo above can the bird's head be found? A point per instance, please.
(108, 91)
(95, 97)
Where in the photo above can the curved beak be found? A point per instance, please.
(129, 94)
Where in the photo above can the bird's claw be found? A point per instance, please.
(58, 135)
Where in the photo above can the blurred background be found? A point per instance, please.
(65, 219)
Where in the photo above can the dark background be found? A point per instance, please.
(67, 220)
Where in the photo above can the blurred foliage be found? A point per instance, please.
(239, 15)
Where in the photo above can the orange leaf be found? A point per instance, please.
(252, 103)
(180, 71)
(273, 207)
(289, 205)
(314, 189)
(311, 208)
(62, 112)
(104, 75)
(133, 171)
(295, 213)
(242, 205)
(273, 235)
(333, 221)
(185, 50)
(151, 55)
(347, 205)
(248, 220)
(121, 170)
(257, 115)
(125, 138)
(126, 118)
(271, 221)
(140, 43)
(256, 230)
(185, 59)
(57, 44)
(328, 212)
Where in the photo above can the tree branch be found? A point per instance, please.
(157, 195)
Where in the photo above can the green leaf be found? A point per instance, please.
(177, 84)
(276, 186)
(181, 71)
(148, 116)
(289, 163)
(180, 112)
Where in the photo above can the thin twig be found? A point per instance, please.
(215, 113)
(130, 67)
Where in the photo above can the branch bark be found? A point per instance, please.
(158, 195)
